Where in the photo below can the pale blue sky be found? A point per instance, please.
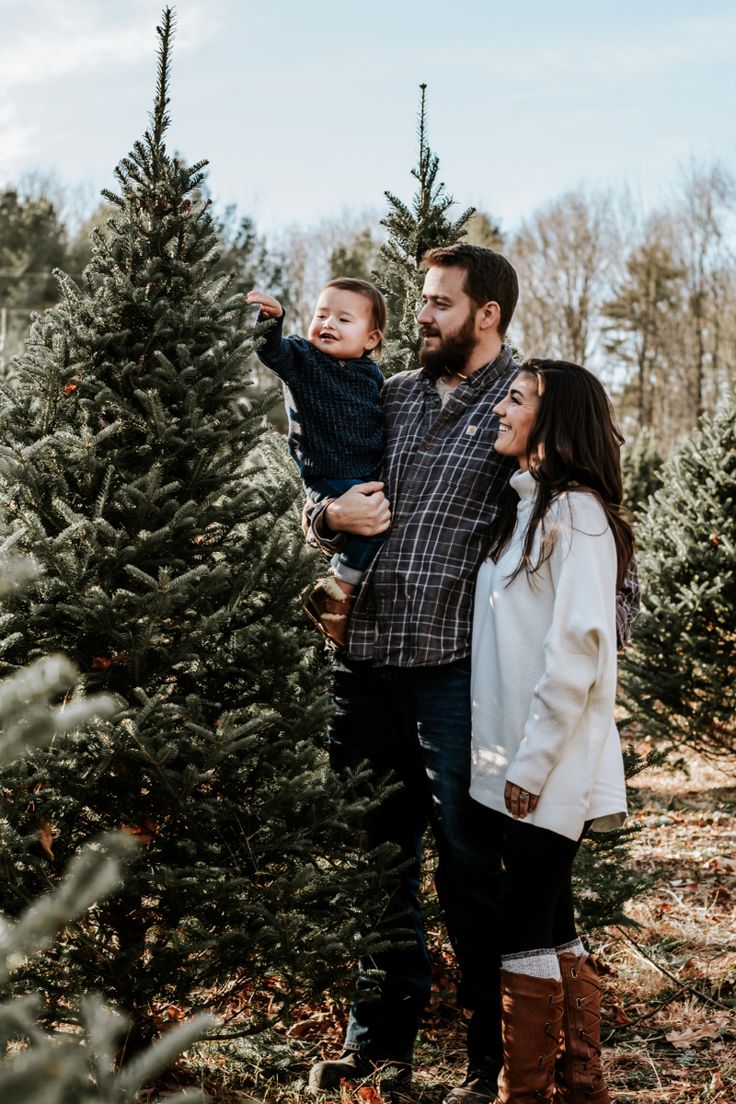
(307, 107)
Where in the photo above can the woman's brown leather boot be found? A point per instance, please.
(579, 1072)
(532, 1028)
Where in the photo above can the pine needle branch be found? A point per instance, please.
(160, 117)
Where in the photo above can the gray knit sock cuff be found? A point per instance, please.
(540, 963)
(576, 947)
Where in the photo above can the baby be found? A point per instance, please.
(332, 393)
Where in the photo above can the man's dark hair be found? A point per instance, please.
(488, 276)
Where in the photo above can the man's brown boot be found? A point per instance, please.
(329, 609)
(352, 1068)
(479, 1087)
(532, 1029)
(579, 1072)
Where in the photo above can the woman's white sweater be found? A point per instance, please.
(544, 671)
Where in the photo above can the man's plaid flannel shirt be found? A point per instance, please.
(443, 479)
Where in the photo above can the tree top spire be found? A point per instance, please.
(160, 117)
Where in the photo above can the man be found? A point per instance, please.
(402, 691)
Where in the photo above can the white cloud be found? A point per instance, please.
(51, 40)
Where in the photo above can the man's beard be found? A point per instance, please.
(451, 356)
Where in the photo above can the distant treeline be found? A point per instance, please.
(646, 298)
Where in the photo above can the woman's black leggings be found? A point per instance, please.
(536, 896)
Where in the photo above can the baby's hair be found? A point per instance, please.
(375, 297)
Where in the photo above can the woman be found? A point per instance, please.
(546, 753)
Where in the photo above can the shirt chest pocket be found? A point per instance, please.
(474, 441)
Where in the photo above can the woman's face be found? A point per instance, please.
(516, 413)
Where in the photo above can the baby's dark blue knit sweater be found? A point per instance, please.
(336, 425)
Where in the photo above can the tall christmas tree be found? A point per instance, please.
(412, 230)
(679, 673)
(163, 514)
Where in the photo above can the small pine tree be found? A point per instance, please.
(411, 232)
(679, 672)
(41, 1067)
(604, 877)
(640, 467)
(163, 513)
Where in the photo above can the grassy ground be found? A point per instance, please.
(669, 996)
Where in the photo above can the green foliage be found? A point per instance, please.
(679, 671)
(46, 1067)
(163, 513)
(244, 255)
(638, 324)
(41, 1067)
(640, 468)
(412, 230)
(358, 256)
(604, 879)
(33, 241)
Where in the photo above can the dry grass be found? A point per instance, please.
(669, 999)
(678, 983)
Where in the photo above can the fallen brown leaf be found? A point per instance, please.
(368, 1095)
(692, 1035)
(46, 838)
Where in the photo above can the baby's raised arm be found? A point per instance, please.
(269, 307)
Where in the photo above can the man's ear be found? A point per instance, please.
(489, 315)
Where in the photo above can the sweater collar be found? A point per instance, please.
(524, 484)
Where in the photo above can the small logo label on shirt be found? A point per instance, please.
(471, 430)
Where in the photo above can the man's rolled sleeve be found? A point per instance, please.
(316, 530)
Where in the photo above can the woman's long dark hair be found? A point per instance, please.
(573, 443)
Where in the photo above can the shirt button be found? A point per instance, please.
(341, 363)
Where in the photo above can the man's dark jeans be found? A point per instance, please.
(415, 724)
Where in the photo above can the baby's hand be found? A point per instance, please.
(269, 306)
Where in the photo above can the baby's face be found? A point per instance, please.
(343, 324)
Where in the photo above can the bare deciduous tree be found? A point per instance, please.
(564, 256)
(702, 215)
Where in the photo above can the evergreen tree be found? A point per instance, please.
(640, 468)
(679, 671)
(358, 256)
(604, 878)
(32, 243)
(411, 232)
(639, 329)
(162, 511)
(245, 255)
(41, 1067)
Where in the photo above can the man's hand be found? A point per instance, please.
(363, 509)
(519, 802)
(269, 307)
